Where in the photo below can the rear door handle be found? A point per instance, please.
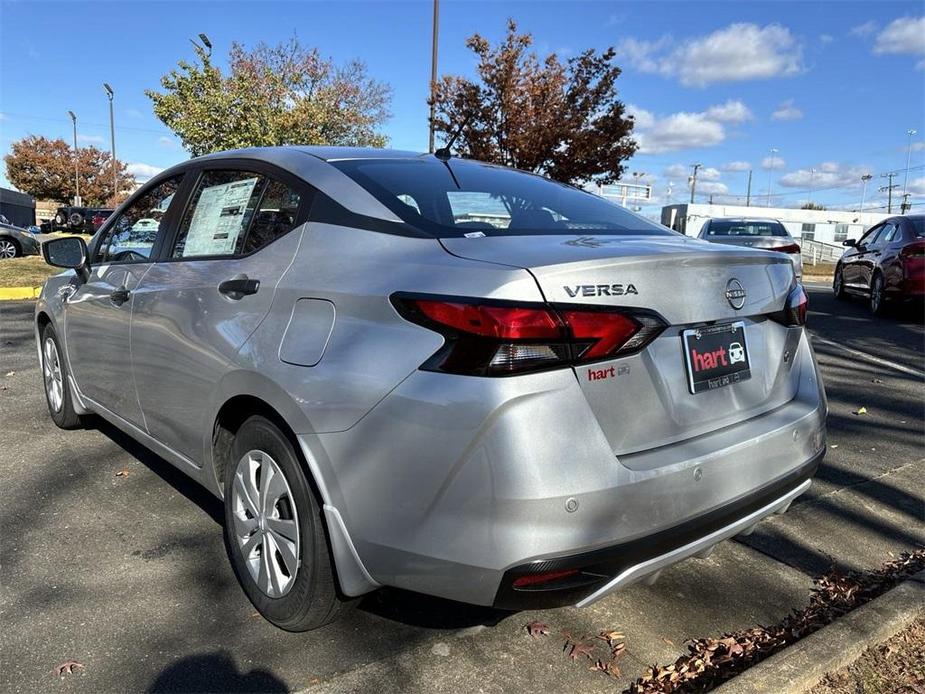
(120, 296)
(238, 287)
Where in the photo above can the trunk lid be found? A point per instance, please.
(645, 402)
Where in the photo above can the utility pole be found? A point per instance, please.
(772, 160)
(694, 168)
(433, 73)
(112, 140)
(76, 157)
(889, 189)
(865, 178)
(905, 205)
(748, 194)
(910, 132)
(812, 178)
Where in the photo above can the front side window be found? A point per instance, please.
(869, 237)
(234, 213)
(132, 234)
(462, 197)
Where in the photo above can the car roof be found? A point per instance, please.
(271, 154)
(744, 219)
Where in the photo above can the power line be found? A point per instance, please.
(98, 125)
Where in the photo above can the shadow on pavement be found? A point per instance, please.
(214, 672)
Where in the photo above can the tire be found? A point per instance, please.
(298, 594)
(838, 284)
(9, 248)
(61, 219)
(55, 382)
(76, 221)
(877, 295)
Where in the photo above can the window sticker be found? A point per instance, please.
(219, 218)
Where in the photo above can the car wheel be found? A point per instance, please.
(60, 219)
(274, 532)
(838, 284)
(77, 221)
(57, 387)
(877, 298)
(8, 249)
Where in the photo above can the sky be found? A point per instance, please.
(832, 86)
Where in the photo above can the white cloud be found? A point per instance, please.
(710, 187)
(787, 111)
(677, 171)
(915, 147)
(708, 174)
(739, 52)
(90, 139)
(917, 186)
(905, 35)
(773, 162)
(165, 141)
(826, 38)
(828, 174)
(733, 111)
(865, 29)
(142, 172)
(736, 166)
(684, 130)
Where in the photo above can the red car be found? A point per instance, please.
(887, 263)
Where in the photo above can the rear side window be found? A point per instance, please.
(234, 213)
(132, 234)
(462, 197)
(744, 227)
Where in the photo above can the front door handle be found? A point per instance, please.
(120, 296)
(238, 287)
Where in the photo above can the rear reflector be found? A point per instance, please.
(548, 577)
(491, 338)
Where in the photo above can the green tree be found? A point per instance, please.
(272, 95)
(44, 169)
(561, 120)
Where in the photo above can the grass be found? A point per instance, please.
(28, 271)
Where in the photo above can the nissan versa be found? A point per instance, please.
(432, 373)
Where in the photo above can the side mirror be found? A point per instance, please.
(68, 252)
(849, 242)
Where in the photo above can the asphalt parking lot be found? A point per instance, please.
(113, 559)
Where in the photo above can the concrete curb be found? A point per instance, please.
(800, 667)
(14, 293)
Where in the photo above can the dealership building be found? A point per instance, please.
(824, 226)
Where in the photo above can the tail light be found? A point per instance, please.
(916, 249)
(498, 338)
(795, 308)
(789, 248)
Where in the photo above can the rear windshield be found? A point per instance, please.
(918, 226)
(462, 198)
(744, 227)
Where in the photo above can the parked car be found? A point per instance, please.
(767, 234)
(886, 264)
(528, 412)
(80, 220)
(16, 241)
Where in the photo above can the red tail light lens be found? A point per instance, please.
(795, 308)
(501, 338)
(789, 248)
(916, 249)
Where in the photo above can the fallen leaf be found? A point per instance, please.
(579, 650)
(122, 473)
(67, 667)
(536, 629)
(668, 641)
(10, 373)
(860, 410)
(834, 445)
(609, 636)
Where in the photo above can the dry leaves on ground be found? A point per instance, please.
(67, 667)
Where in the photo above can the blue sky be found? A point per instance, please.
(834, 86)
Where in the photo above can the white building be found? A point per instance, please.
(826, 226)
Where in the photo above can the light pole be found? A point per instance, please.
(812, 177)
(865, 178)
(433, 74)
(910, 132)
(76, 174)
(694, 168)
(112, 140)
(771, 161)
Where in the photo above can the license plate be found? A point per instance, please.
(716, 356)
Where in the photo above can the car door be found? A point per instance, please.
(200, 302)
(854, 256)
(889, 261)
(870, 257)
(98, 313)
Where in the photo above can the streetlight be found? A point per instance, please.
(910, 132)
(205, 42)
(695, 168)
(771, 161)
(812, 176)
(76, 174)
(433, 73)
(865, 178)
(112, 140)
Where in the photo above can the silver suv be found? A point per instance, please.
(431, 373)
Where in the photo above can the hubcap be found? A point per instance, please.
(7, 249)
(266, 525)
(51, 370)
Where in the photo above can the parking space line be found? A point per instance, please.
(869, 357)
